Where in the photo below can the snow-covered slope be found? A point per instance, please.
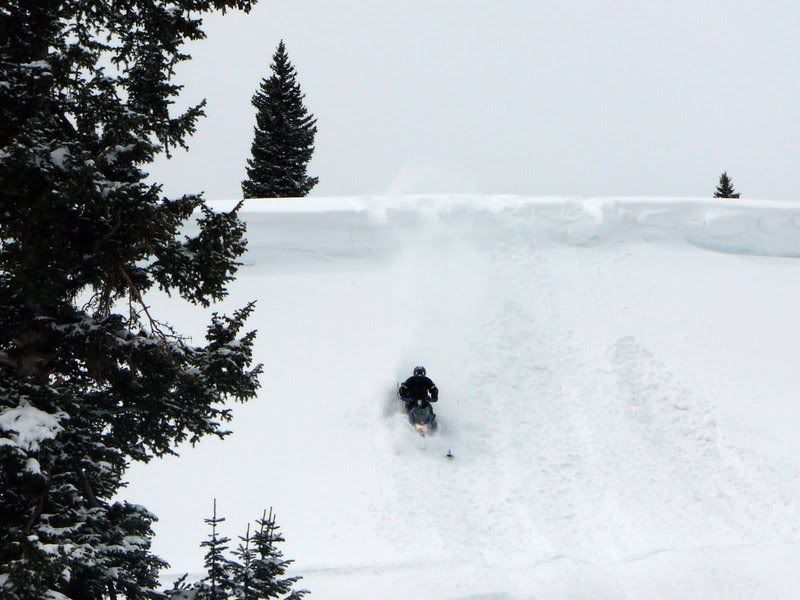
(618, 382)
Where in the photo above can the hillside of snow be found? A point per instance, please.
(619, 383)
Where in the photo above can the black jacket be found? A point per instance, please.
(417, 387)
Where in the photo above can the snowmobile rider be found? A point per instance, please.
(418, 387)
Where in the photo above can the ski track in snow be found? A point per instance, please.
(584, 466)
(572, 455)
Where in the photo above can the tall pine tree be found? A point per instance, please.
(90, 378)
(284, 136)
(725, 187)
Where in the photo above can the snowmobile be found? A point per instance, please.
(420, 415)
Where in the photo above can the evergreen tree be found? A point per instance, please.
(284, 136)
(257, 575)
(243, 577)
(90, 379)
(725, 187)
(219, 583)
(269, 565)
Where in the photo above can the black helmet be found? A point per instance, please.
(419, 370)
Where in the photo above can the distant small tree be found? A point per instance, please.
(725, 187)
(283, 142)
(257, 574)
(269, 565)
(243, 575)
(218, 584)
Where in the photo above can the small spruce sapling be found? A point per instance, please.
(257, 574)
(245, 554)
(219, 582)
(269, 565)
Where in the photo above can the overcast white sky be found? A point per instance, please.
(499, 96)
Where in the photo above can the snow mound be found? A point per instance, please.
(755, 227)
